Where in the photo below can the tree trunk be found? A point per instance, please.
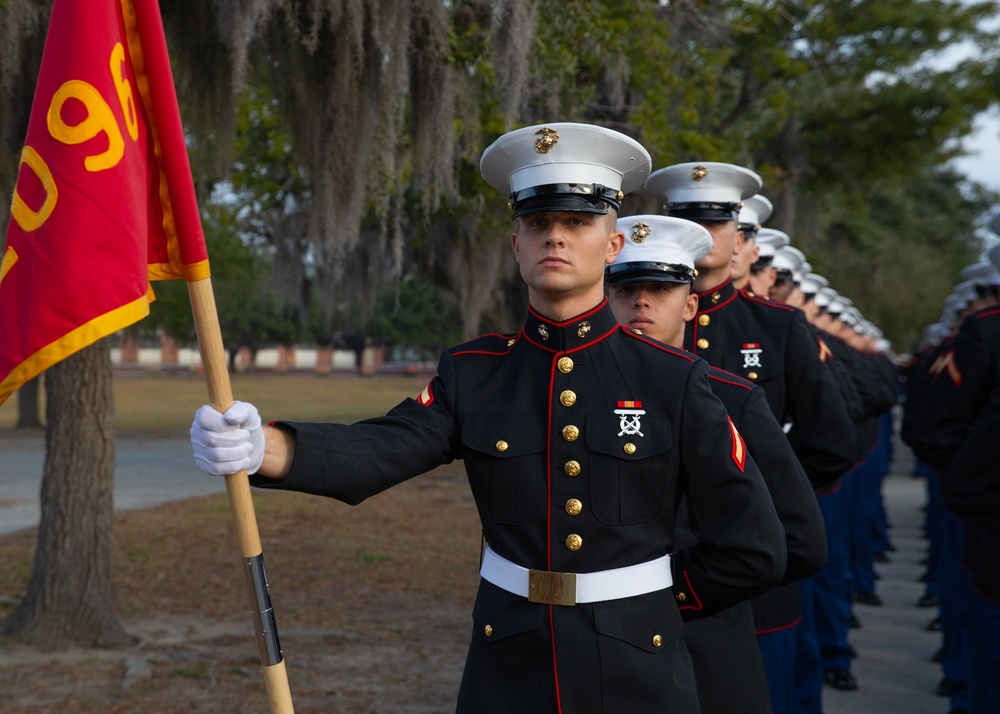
(27, 405)
(69, 598)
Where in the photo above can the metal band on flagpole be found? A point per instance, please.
(213, 358)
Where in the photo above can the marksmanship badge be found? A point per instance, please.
(629, 412)
(751, 354)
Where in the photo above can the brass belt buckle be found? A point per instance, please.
(552, 588)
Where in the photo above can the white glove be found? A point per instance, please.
(228, 443)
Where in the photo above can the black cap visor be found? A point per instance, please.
(647, 272)
(705, 211)
(582, 197)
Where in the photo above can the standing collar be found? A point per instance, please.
(569, 335)
(720, 295)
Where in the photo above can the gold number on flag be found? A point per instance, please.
(28, 219)
(99, 120)
(124, 90)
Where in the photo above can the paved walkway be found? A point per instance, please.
(893, 669)
(148, 472)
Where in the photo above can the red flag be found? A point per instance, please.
(104, 200)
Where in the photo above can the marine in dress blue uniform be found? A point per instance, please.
(845, 508)
(580, 439)
(955, 433)
(771, 346)
(954, 569)
(755, 211)
(658, 260)
(763, 274)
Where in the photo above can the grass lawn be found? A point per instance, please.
(163, 405)
(372, 602)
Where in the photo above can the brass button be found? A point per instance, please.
(704, 320)
(567, 398)
(488, 631)
(572, 468)
(565, 365)
(702, 344)
(570, 433)
(502, 445)
(752, 375)
(657, 641)
(681, 597)
(574, 506)
(629, 448)
(574, 542)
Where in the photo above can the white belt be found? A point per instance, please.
(572, 588)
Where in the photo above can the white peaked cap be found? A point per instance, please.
(982, 274)
(658, 248)
(955, 303)
(825, 296)
(948, 317)
(966, 291)
(935, 331)
(704, 190)
(851, 316)
(769, 240)
(838, 305)
(811, 283)
(756, 210)
(566, 157)
(788, 258)
(994, 254)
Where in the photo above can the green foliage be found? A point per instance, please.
(266, 177)
(901, 247)
(417, 314)
(842, 107)
(248, 313)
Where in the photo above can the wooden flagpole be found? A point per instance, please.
(220, 394)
